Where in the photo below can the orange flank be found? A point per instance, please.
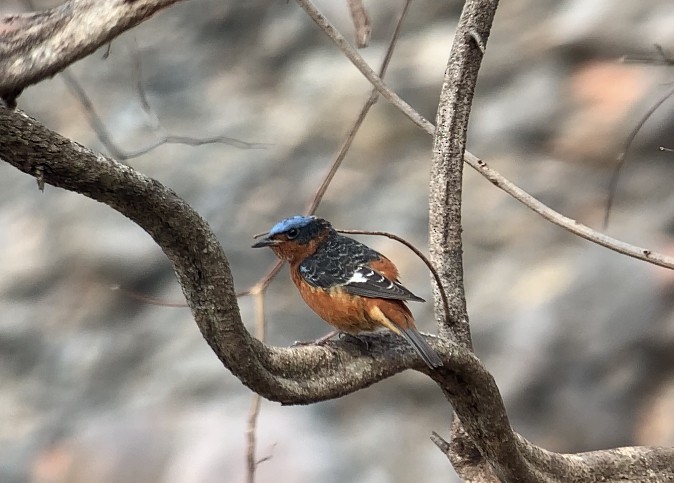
(385, 267)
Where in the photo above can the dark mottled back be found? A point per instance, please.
(335, 261)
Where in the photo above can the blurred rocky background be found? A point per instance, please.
(98, 387)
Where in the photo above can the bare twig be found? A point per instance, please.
(256, 399)
(361, 22)
(351, 134)
(116, 152)
(95, 121)
(481, 166)
(440, 442)
(622, 156)
(191, 141)
(165, 138)
(664, 58)
(155, 124)
(363, 66)
(418, 253)
(569, 224)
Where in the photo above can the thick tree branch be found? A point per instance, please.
(449, 146)
(445, 244)
(290, 375)
(34, 46)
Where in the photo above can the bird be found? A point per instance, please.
(348, 284)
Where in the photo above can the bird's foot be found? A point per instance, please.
(320, 341)
(360, 341)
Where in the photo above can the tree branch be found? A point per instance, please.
(449, 146)
(496, 456)
(299, 375)
(37, 45)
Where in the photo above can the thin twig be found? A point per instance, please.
(622, 156)
(90, 112)
(363, 66)
(361, 22)
(481, 166)
(116, 152)
(436, 277)
(256, 400)
(440, 442)
(251, 437)
(155, 123)
(350, 136)
(664, 58)
(569, 224)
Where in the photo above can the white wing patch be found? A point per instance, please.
(370, 283)
(359, 277)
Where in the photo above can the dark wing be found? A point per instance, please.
(335, 260)
(370, 283)
(343, 262)
(322, 275)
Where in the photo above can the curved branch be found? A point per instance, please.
(434, 273)
(34, 46)
(298, 375)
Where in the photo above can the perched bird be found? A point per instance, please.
(349, 285)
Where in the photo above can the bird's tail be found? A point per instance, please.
(430, 357)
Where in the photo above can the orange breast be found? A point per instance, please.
(351, 313)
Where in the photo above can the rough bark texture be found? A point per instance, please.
(38, 45)
(449, 146)
(484, 448)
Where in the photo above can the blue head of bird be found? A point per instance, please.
(295, 237)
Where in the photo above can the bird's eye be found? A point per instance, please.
(292, 233)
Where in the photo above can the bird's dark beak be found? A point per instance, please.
(266, 242)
